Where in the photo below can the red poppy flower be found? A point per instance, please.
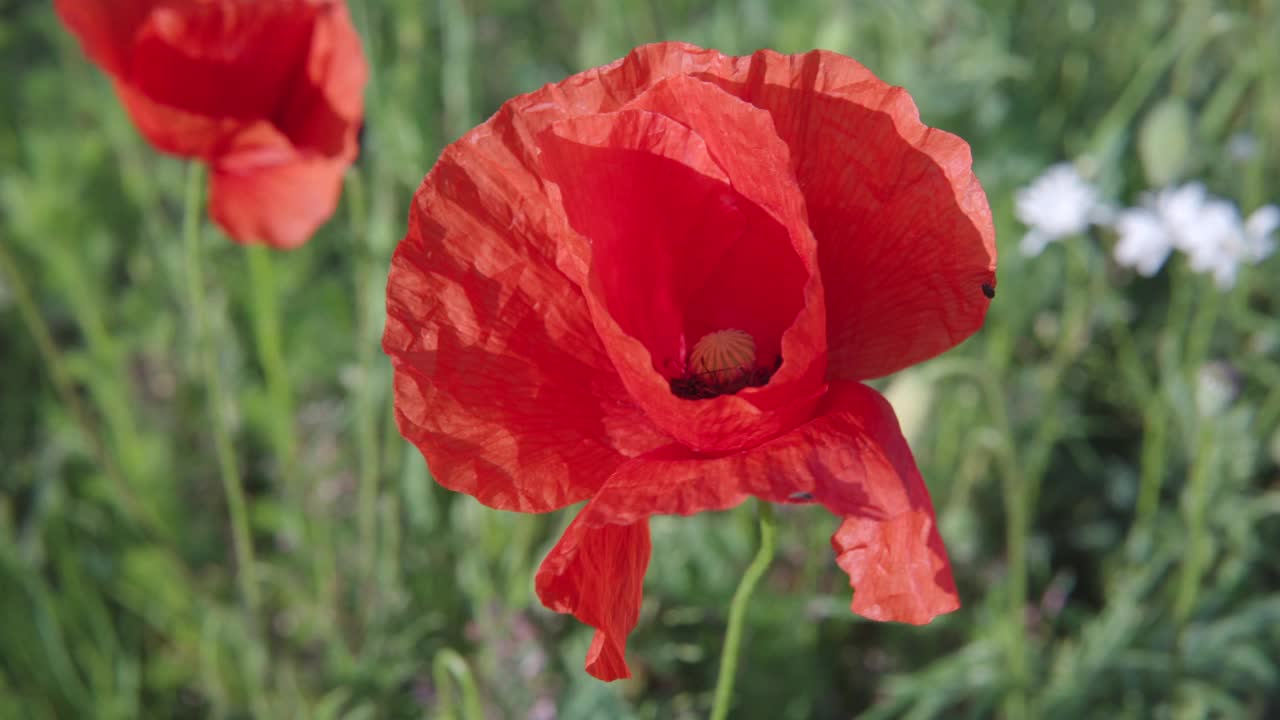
(656, 286)
(268, 93)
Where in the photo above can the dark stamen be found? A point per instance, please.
(988, 290)
(697, 386)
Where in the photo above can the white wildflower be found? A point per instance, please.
(1150, 232)
(1220, 242)
(1208, 229)
(1181, 209)
(1144, 243)
(1259, 228)
(1058, 204)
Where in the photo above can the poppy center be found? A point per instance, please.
(721, 363)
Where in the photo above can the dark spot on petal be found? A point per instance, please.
(989, 290)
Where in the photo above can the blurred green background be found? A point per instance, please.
(1103, 454)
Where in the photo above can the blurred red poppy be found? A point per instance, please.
(656, 286)
(268, 93)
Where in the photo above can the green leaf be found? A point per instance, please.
(1164, 142)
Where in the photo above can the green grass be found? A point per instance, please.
(1113, 536)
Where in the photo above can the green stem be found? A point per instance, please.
(1195, 501)
(215, 394)
(449, 663)
(1156, 427)
(1022, 478)
(1016, 489)
(366, 408)
(265, 310)
(455, 72)
(1203, 322)
(738, 612)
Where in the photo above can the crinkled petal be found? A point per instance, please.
(596, 573)
(899, 216)
(852, 458)
(888, 542)
(500, 378)
(897, 566)
(690, 218)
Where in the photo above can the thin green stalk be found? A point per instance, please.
(1195, 501)
(267, 332)
(455, 72)
(1022, 479)
(1154, 439)
(366, 408)
(246, 567)
(1269, 410)
(738, 612)
(109, 384)
(1082, 285)
(1195, 330)
(448, 663)
(1017, 489)
(1203, 322)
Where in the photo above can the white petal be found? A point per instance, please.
(1224, 276)
(1058, 203)
(1034, 242)
(1144, 244)
(1263, 221)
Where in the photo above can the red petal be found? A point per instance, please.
(176, 131)
(336, 64)
(897, 567)
(596, 572)
(657, 217)
(106, 28)
(193, 76)
(507, 206)
(264, 190)
(905, 237)
(693, 227)
(888, 542)
(853, 459)
(500, 378)
(325, 111)
(221, 59)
